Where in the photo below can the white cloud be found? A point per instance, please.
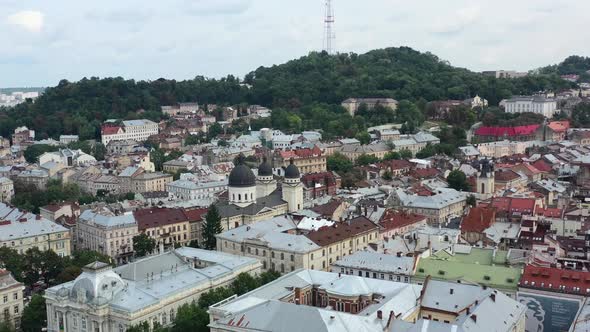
(456, 23)
(30, 20)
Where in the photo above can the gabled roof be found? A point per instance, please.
(506, 131)
(478, 219)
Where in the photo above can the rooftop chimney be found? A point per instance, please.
(379, 314)
(493, 297)
(474, 317)
(451, 291)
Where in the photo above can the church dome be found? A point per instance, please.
(292, 172)
(241, 175)
(265, 169)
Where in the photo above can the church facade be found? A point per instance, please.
(252, 198)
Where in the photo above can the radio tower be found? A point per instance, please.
(328, 28)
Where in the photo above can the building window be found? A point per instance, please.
(16, 310)
(5, 298)
(282, 256)
(292, 258)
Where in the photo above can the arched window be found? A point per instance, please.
(483, 188)
(239, 197)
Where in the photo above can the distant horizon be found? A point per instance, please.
(182, 39)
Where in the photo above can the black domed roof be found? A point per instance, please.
(241, 175)
(265, 169)
(292, 172)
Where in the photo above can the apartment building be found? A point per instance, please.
(168, 226)
(6, 189)
(149, 182)
(533, 104)
(185, 189)
(283, 244)
(106, 232)
(137, 130)
(352, 152)
(11, 295)
(370, 264)
(307, 160)
(21, 231)
(352, 104)
(438, 208)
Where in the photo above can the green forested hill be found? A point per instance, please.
(305, 93)
(400, 73)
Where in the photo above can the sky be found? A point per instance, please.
(42, 42)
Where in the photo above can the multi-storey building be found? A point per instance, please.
(149, 182)
(533, 104)
(6, 189)
(23, 230)
(352, 152)
(185, 189)
(11, 297)
(352, 104)
(137, 130)
(370, 264)
(438, 208)
(283, 244)
(108, 233)
(310, 300)
(307, 160)
(35, 177)
(149, 290)
(168, 226)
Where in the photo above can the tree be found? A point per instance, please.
(392, 155)
(214, 295)
(339, 163)
(34, 317)
(471, 200)
(244, 283)
(191, 317)
(143, 245)
(366, 159)
(457, 180)
(214, 130)
(406, 154)
(6, 327)
(428, 151)
(33, 152)
(268, 276)
(211, 227)
(143, 327)
(364, 137)
(99, 151)
(45, 265)
(13, 262)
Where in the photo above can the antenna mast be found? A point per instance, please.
(329, 35)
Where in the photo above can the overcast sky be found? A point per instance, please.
(42, 42)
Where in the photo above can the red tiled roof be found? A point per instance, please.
(157, 217)
(556, 280)
(506, 131)
(559, 126)
(542, 166)
(549, 212)
(478, 219)
(514, 204)
(341, 231)
(327, 210)
(396, 219)
(109, 130)
(395, 164)
(527, 167)
(320, 178)
(424, 172)
(196, 214)
(505, 175)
